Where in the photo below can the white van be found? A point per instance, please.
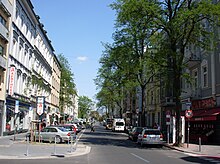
(118, 124)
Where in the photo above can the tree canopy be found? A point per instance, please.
(85, 105)
(67, 84)
(150, 40)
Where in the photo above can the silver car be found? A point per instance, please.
(51, 133)
(150, 137)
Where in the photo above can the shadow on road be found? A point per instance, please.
(194, 160)
(101, 136)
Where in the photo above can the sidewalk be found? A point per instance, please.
(20, 149)
(209, 151)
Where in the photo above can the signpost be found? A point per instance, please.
(40, 110)
(188, 114)
(168, 125)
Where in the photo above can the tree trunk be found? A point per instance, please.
(177, 89)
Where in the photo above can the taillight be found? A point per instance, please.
(145, 136)
(68, 134)
(161, 136)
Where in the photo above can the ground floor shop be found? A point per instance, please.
(205, 124)
(16, 116)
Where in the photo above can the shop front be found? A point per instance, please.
(17, 116)
(204, 125)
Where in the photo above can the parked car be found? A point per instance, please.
(134, 132)
(150, 137)
(51, 132)
(70, 127)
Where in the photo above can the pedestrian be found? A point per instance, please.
(92, 127)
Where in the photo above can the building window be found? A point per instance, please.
(205, 76)
(3, 21)
(1, 50)
(152, 97)
(195, 76)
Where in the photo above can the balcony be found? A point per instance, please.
(193, 60)
(168, 101)
(7, 6)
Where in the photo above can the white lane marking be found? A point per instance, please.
(140, 158)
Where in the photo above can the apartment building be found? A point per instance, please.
(5, 26)
(203, 93)
(30, 68)
(21, 55)
(53, 111)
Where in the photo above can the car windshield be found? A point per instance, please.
(119, 124)
(139, 129)
(63, 129)
(155, 132)
(69, 128)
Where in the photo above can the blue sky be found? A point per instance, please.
(76, 29)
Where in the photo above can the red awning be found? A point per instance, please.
(205, 115)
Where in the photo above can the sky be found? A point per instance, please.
(77, 29)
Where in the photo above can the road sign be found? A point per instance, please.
(168, 117)
(188, 113)
(40, 105)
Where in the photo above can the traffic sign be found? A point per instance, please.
(168, 117)
(40, 105)
(188, 113)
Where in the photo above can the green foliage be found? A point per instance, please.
(40, 83)
(85, 105)
(95, 115)
(150, 41)
(67, 85)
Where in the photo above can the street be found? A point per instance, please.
(109, 147)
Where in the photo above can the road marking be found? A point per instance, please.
(140, 158)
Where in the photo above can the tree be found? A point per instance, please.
(95, 115)
(113, 78)
(132, 39)
(176, 24)
(67, 85)
(85, 106)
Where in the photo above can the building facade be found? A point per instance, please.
(53, 111)
(30, 67)
(6, 8)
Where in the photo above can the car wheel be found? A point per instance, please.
(58, 139)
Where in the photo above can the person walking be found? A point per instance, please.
(92, 128)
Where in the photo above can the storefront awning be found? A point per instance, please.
(205, 115)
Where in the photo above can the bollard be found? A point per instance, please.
(200, 144)
(71, 144)
(55, 141)
(27, 145)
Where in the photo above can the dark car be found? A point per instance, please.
(134, 132)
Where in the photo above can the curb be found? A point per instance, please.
(77, 152)
(191, 152)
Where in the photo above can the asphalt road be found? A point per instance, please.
(114, 148)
